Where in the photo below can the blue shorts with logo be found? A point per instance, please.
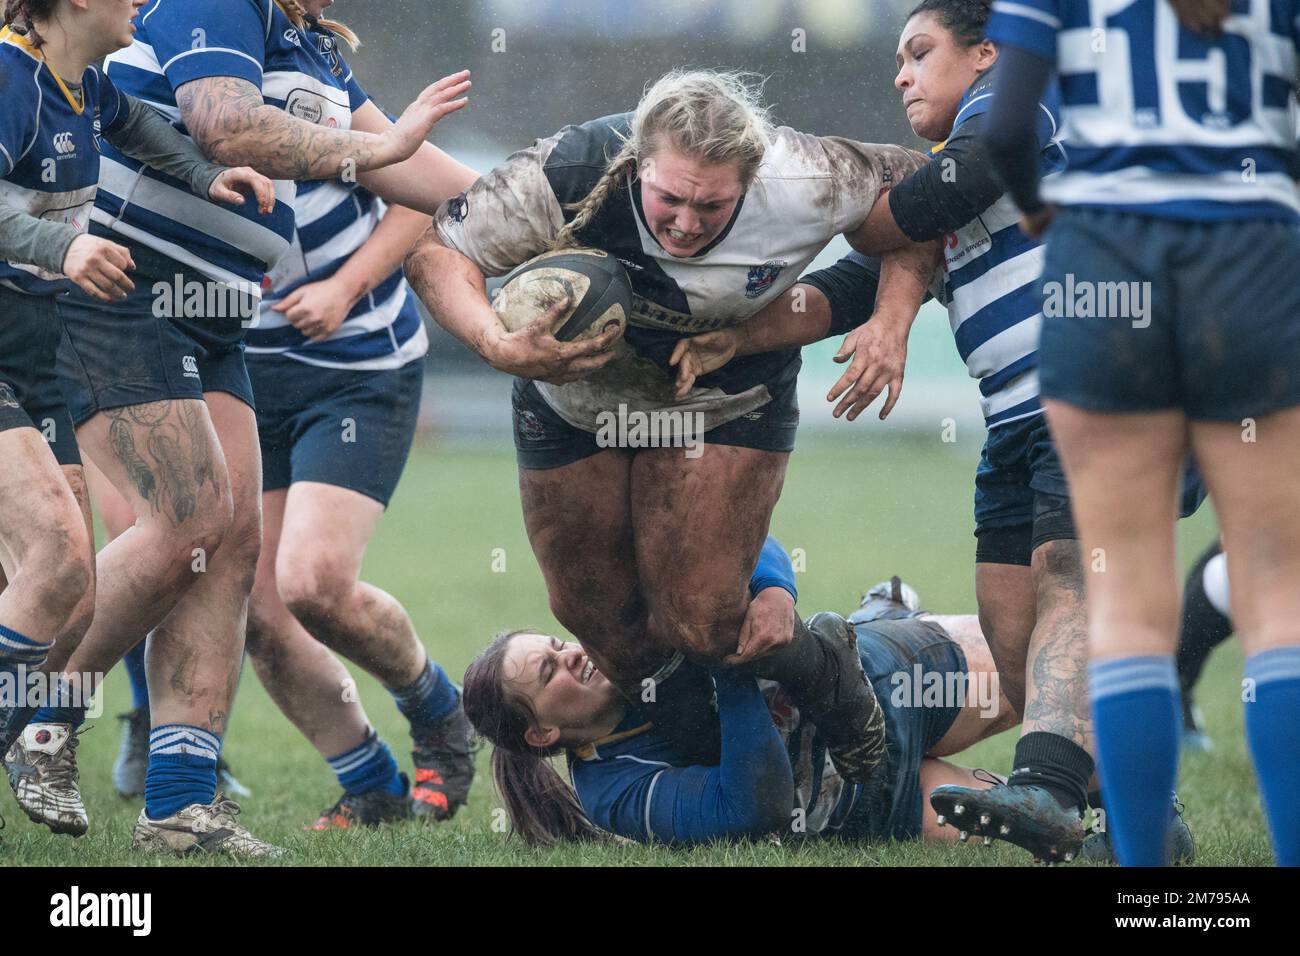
(30, 393)
(342, 427)
(132, 351)
(1219, 337)
(892, 652)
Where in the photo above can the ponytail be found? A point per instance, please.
(19, 15)
(542, 807)
(295, 12)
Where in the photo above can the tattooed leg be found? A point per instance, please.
(196, 652)
(164, 460)
(1056, 698)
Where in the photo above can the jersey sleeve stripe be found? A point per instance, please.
(1023, 10)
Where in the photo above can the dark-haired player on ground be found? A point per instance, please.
(534, 696)
(646, 552)
(1159, 125)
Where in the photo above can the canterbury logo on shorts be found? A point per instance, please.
(190, 366)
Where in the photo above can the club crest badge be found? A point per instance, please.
(762, 277)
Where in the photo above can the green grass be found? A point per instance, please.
(860, 510)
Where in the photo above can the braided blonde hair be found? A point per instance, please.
(712, 116)
(295, 12)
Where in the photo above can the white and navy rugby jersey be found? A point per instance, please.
(333, 219)
(1159, 120)
(178, 41)
(990, 282)
(49, 148)
(808, 190)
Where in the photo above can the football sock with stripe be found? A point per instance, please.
(134, 662)
(182, 769)
(1271, 722)
(368, 766)
(1137, 719)
(427, 700)
(19, 655)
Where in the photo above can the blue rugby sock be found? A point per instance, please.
(368, 766)
(134, 662)
(19, 656)
(1271, 722)
(428, 700)
(182, 769)
(1137, 719)
(63, 708)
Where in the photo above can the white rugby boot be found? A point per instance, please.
(201, 828)
(42, 769)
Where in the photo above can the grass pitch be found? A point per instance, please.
(860, 509)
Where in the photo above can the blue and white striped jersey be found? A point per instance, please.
(990, 282)
(178, 41)
(333, 218)
(1162, 121)
(49, 148)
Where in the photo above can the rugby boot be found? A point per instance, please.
(1027, 816)
(822, 671)
(367, 809)
(42, 769)
(132, 753)
(12, 722)
(888, 600)
(444, 767)
(201, 828)
(1097, 848)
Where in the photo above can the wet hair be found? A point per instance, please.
(542, 807)
(295, 12)
(966, 20)
(712, 116)
(20, 14)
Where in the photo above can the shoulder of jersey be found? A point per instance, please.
(14, 51)
(581, 153)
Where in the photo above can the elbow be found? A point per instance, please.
(425, 249)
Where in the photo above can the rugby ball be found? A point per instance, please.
(594, 282)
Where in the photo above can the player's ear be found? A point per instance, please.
(542, 737)
(986, 55)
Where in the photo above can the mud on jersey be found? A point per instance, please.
(808, 190)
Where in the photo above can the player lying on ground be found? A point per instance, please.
(1155, 203)
(161, 396)
(57, 108)
(646, 551)
(534, 696)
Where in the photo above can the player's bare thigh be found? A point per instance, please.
(986, 711)
(579, 523)
(700, 525)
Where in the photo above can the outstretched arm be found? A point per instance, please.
(750, 793)
(233, 125)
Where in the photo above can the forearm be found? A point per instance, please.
(950, 191)
(798, 317)
(382, 254)
(750, 793)
(904, 277)
(452, 289)
(773, 570)
(1011, 138)
(423, 182)
(234, 126)
(146, 136)
(30, 241)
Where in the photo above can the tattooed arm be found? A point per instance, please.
(234, 126)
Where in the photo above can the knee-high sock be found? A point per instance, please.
(1272, 719)
(1137, 720)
